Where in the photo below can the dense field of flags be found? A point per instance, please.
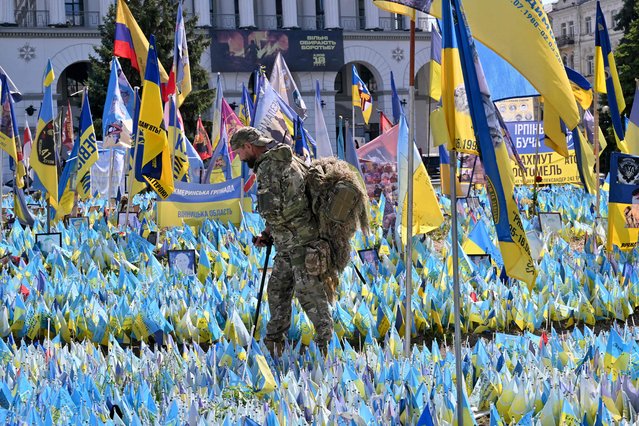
(103, 329)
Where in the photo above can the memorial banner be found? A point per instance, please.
(192, 203)
(623, 201)
(552, 167)
(246, 50)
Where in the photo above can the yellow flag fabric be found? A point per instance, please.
(426, 212)
(623, 202)
(632, 132)
(555, 137)
(43, 155)
(156, 160)
(435, 83)
(520, 32)
(461, 135)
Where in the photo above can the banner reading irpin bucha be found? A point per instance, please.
(192, 203)
(551, 166)
(623, 201)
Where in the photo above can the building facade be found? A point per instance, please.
(377, 42)
(573, 22)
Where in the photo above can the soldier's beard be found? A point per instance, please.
(250, 162)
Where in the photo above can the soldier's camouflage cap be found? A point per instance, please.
(248, 135)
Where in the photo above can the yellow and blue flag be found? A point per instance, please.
(178, 141)
(87, 150)
(246, 107)
(43, 154)
(585, 160)
(454, 96)
(494, 155)
(623, 202)
(302, 149)
(444, 172)
(606, 77)
(156, 159)
(8, 123)
(361, 96)
(581, 88)
(49, 75)
(435, 76)
(181, 71)
(427, 214)
(632, 131)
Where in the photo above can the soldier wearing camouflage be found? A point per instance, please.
(283, 202)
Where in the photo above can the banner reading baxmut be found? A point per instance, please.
(245, 50)
(192, 203)
(552, 167)
(623, 201)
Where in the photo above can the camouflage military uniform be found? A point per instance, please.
(283, 203)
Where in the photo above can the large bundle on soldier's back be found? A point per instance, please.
(340, 204)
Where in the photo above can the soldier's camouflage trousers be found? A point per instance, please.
(290, 277)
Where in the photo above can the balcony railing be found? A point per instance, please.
(566, 39)
(352, 23)
(268, 22)
(32, 18)
(225, 22)
(311, 22)
(83, 19)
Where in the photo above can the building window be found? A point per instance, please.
(613, 19)
(361, 12)
(398, 22)
(565, 58)
(571, 28)
(319, 13)
(572, 61)
(563, 29)
(590, 65)
(278, 13)
(75, 12)
(588, 24)
(339, 87)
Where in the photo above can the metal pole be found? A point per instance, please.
(537, 143)
(456, 289)
(597, 147)
(175, 135)
(428, 130)
(353, 130)
(132, 174)
(408, 252)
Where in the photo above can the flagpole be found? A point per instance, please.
(597, 147)
(428, 130)
(408, 252)
(353, 130)
(456, 289)
(537, 143)
(132, 175)
(175, 132)
(110, 175)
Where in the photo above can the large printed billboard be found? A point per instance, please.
(245, 50)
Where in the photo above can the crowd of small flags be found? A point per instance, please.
(101, 330)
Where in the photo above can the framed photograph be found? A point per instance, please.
(550, 222)
(47, 241)
(36, 208)
(133, 221)
(182, 261)
(478, 259)
(473, 202)
(77, 222)
(369, 255)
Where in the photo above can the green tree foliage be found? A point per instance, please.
(627, 53)
(154, 17)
